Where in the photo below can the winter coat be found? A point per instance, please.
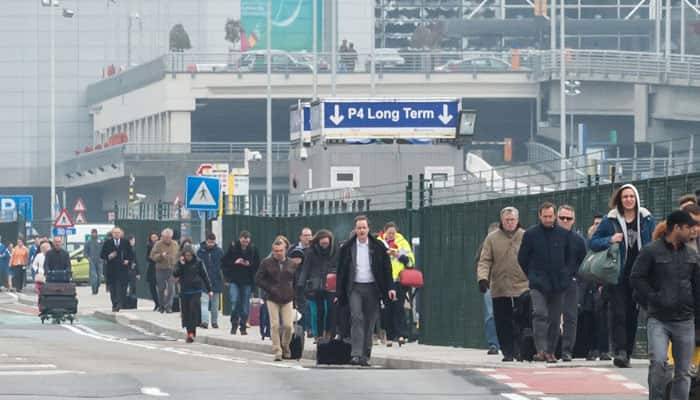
(171, 258)
(318, 263)
(240, 274)
(276, 278)
(92, 250)
(545, 256)
(405, 249)
(115, 268)
(615, 222)
(498, 264)
(668, 281)
(193, 277)
(211, 258)
(4, 256)
(380, 264)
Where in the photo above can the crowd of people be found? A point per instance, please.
(540, 307)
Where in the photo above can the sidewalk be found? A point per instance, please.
(409, 356)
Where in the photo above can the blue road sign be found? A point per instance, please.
(18, 203)
(391, 118)
(64, 231)
(203, 193)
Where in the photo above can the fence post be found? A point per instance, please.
(690, 153)
(669, 163)
(430, 195)
(421, 188)
(634, 163)
(652, 166)
(409, 193)
(116, 211)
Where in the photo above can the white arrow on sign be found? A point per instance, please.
(445, 117)
(337, 118)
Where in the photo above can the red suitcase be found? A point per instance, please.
(331, 282)
(411, 278)
(254, 317)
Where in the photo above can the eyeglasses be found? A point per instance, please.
(566, 218)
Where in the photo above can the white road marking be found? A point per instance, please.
(634, 386)
(484, 369)
(500, 377)
(532, 393)
(153, 391)
(27, 366)
(616, 377)
(516, 385)
(35, 373)
(600, 369)
(514, 396)
(549, 398)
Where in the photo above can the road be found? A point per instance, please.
(98, 359)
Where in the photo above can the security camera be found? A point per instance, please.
(140, 196)
(303, 154)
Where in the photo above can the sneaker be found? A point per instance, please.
(278, 357)
(493, 350)
(243, 331)
(604, 357)
(214, 325)
(549, 357)
(566, 357)
(204, 326)
(190, 338)
(621, 360)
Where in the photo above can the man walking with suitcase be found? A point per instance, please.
(57, 266)
(119, 256)
(499, 271)
(364, 278)
(666, 279)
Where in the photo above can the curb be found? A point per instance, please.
(264, 347)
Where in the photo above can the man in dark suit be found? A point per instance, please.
(364, 278)
(119, 255)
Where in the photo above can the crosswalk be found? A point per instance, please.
(20, 366)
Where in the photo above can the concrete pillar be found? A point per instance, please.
(641, 112)
(180, 131)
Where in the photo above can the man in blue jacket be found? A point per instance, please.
(4, 263)
(211, 254)
(545, 257)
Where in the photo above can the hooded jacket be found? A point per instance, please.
(318, 263)
(193, 277)
(211, 258)
(404, 248)
(240, 274)
(615, 222)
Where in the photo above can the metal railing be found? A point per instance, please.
(280, 150)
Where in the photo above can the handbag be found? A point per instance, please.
(602, 267)
(331, 282)
(411, 277)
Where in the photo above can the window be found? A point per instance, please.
(441, 177)
(343, 177)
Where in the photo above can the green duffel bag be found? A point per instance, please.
(602, 267)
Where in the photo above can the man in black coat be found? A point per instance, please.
(57, 267)
(364, 278)
(119, 255)
(545, 256)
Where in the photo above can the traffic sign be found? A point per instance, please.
(79, 206)
(63, 220)
(202, 193)
(427, 118)
(80, 219)
(64, 231)
(202, 168)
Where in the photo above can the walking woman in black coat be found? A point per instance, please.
(194, 281)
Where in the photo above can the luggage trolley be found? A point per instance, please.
(57, 298)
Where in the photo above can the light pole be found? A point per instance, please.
(128, 38)
(268, 147)
(52, 96)
(573, 88)
(562, 96)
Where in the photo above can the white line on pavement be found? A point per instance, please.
(516, 385)
(27, 366)
(549, 398)
(45, 372)
(153, 391)
(616, 377)
(532, 393)
(599, 369)
(634, 386)
(484, 369)
(500, 377)
(514, 396)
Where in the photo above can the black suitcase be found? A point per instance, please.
(58, 289)
(130, 303)
(59, 276)
(296, 346)
(333, 352)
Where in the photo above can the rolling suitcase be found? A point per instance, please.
(256, 306)
(296, 346)
(58, 298)
(264, 322)
(333, 352)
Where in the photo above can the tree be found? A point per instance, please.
(179, 39)
(233, 30)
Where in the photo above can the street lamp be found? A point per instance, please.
(52, 125)
(571, 89)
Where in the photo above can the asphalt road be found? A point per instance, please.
(98, 359)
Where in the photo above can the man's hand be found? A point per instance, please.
(403, 259)
(239, 261)
(126, 262)
(112, 255)
(483, 285)
(617, 238)
(211, 294)
(392, 295)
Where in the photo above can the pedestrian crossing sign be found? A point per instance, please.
(63, 220)
(203, 193)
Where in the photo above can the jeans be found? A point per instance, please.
(166, 288)
(364, 313)
(682, 334)
(489, 321)
(570, 304)
(214, 305)
(95, 275)
(546, 315)
(240, 303)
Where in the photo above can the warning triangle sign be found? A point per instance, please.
(203, 197)
(79, 207)
(63, 220)
(80, 219)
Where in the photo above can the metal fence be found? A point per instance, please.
(451, 305)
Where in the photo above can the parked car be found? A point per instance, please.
(480, 64)
(281, 61)
(386, 60)
(323, 64)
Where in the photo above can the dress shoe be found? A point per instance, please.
(244, 331)
(604, 357)
(355, 361)
(214, 325)
(539, 357)
(621, 360)
(549, 357)
(507, 359)
(233, 330)
(204, 326)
